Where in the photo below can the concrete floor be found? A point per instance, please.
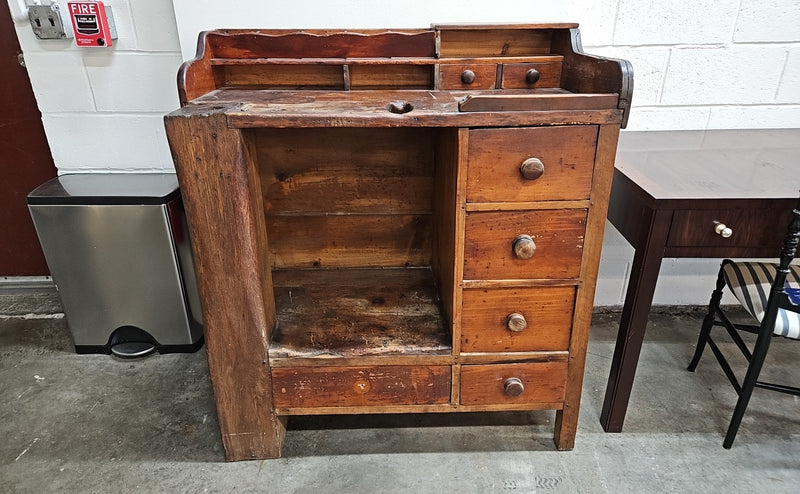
(78, 423)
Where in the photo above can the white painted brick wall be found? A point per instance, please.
(103, 108)
(725, 75)
(698, 64)
(789, 86)
(773, 20)
(676, 22)
(146, 81)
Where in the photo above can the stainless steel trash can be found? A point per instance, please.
(118, 250)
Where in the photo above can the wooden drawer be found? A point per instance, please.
(467, 76)
(490, 236)
(516, 319)
(517, 76)
(496, 156)
(541, 382)
(308, 387)
(749, 228)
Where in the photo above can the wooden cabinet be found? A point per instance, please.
(395, 221)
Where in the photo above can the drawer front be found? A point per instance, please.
(467, 76)
(530, 75)
(516, 319)
(558, 163)
(749, 228)
(493, 384)
(308, 387)
(555, 238)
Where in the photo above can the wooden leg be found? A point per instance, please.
(234, 278)
(641, 286)
(566, 423)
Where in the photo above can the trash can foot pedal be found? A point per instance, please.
(133, 349)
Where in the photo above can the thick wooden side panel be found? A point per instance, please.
(567, 418)
(582, 73)
(196, 77)
(359, 386)
(222, 194)
(558, 235)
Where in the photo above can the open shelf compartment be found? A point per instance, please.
(357, 313)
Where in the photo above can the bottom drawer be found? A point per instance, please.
(492, 384)
(309, 387)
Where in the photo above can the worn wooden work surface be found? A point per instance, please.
(357, 312)
(369, 108)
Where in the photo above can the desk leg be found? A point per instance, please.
(222, 193)
(644, 273)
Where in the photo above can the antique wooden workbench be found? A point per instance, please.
(395, 220)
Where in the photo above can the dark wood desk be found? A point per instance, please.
(669, 189)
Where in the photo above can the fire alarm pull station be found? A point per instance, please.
(90, 22)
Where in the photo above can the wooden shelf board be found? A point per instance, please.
(330, 313)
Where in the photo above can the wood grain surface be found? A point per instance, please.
(558, 234)
(548, 312)
(483, 384)
(359, 386)
(495, 156)
(357, 312)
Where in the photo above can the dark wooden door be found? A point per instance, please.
(25, 159)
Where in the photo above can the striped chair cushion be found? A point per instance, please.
(751, 282)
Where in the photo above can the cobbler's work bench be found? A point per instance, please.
(395, 221)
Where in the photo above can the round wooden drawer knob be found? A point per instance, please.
(524, 247)
(532, 76)
(468, 77)
(516, 322)
(531, 168)
(513, 386)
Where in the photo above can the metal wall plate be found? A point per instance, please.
(46, 21)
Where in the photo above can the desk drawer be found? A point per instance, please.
(530, 75)
(308, 387)
(467, 76)
(563, 172)
(749, 228)
(517, 319)
(492, 384)
(494, 247)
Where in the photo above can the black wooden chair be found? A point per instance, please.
(770, 293)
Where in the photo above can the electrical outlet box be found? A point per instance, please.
(46, 21)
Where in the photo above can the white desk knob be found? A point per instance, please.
(721, 229)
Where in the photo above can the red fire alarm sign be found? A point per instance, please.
(90, 23)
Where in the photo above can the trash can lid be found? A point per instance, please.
(107, 188)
